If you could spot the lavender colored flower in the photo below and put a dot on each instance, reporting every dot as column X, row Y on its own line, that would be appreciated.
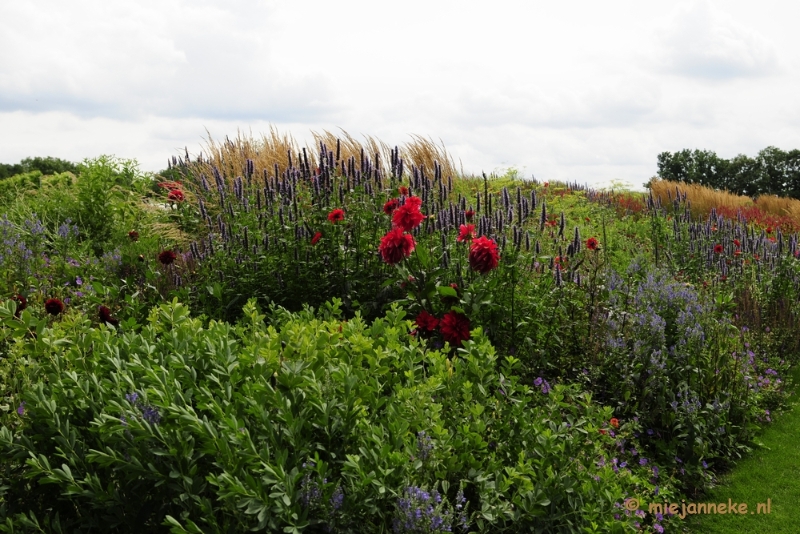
column 151, row 415
column 337, row 499
column 424, row 445
column 132, row 397
column 21, row 408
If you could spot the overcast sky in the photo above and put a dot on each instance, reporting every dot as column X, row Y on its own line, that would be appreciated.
column 582, row 91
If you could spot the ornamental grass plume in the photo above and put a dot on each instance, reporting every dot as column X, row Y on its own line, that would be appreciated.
column 454, row 327
column 408, row 215
column 395, row 246
column 166, row 257
column 483, row 255
column 54, row 306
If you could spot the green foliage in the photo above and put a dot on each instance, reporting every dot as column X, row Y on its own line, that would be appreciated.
column 99, row 192
column 183, row 428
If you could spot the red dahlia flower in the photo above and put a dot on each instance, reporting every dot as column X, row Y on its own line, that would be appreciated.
column 718, row 249
column 54, row 306
column 483, row 255
column 469, row 214
column 391, row 205
column 176, row 195
column 769, row 229
column 454, row 327
column 105, row 316
column 167, row 257
column 22, row 303
column 408, row 215
column 737, row 242
column 336, row 215
column 426, row 321
column 403, row 190
column 133, row 235
column 466, row 231
column 395, row 246
column 316, row 238
column 591, row 243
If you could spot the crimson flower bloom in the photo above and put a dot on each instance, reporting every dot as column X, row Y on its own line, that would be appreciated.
column 54, row 306
column 336, row 215
column 469, row 214
column 466, row 231
column 408, row 215
column 395, row 246
column 391, row 205
column 176, row 195
column 22, row 303
column 403, row 190
column 133, row 235
column 167, row 257
column 105, row 316
column 316, row 238
column 454, row 327
column 769, row 229
column 718, row 249
column 737, row 242
column 591, row 243
column 483, row 255
column 426, row 321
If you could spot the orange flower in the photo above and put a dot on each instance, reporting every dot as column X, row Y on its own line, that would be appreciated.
column 614, row 422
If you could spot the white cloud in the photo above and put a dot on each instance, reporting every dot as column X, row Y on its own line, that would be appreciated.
column 703, row 42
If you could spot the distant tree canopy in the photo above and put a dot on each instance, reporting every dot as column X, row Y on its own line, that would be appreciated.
column 46, row 166
column 771, row 172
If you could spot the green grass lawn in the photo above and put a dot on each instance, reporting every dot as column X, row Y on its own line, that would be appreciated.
column 772, row 472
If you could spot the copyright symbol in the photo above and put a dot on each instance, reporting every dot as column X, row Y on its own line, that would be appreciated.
column 632, row 504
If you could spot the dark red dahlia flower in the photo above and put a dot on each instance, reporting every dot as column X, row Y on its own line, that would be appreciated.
column 391, row 205
column 105, row 316
column 133, row 235
column 408, row 215
column 395, row 246
column 403, row 190
column 454, row 327
column 22, row 303
column 483, row 255
column 167, row 257
column 426, row 321
column 718, row 249
column 176, row 195
column 336, row 215
column 469, row 214
column 591, row 243
column 466, row 231
column 54, row 306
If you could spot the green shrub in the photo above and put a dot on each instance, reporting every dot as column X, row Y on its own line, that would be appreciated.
column 304, row 425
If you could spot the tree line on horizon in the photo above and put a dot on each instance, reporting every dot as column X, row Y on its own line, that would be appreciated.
column 47, row 166
column 772, row 172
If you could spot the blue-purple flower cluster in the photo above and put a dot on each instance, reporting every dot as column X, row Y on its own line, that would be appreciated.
column 421, row 511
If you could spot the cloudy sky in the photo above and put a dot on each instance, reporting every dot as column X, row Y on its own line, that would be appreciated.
column 582, row 91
